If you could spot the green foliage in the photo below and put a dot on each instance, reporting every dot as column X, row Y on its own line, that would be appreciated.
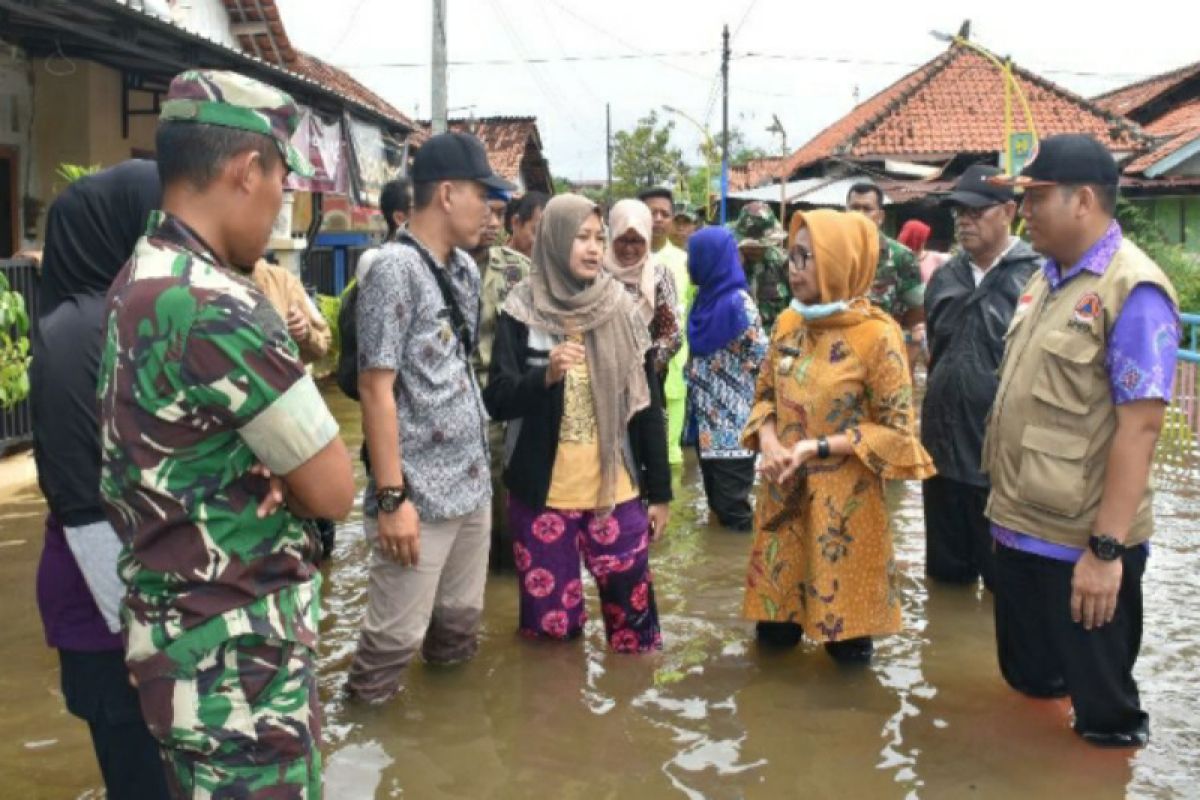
column 70, row 173
column 14, row 346
column 1181, row 267
column 645, row 156
column 740, row 150
column 330, row 308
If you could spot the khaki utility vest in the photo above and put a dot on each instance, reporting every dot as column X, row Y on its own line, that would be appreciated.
column 1052, row 425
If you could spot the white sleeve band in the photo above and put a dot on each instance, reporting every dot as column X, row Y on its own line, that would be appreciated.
column 291, row 430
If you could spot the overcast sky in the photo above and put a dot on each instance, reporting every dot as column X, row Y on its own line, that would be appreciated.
column 641, row 54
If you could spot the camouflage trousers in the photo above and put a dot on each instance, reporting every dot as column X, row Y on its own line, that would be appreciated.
column 244, row 725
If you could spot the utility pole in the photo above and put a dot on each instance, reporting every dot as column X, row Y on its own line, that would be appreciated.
column 777, row 127
column 608, row 154
column 439, row 66
column 724, row 124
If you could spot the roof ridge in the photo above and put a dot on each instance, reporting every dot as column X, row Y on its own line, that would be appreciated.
column 790, row 161
column 932, row 68
column 1088, row 105
column 1171, row 73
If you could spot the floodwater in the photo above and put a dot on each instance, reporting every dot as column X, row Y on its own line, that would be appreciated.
column 710, row 716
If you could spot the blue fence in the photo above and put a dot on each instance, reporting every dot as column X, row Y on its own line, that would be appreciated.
column 331, row 262
column 1189, row 351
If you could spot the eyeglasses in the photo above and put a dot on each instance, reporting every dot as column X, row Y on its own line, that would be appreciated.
column 963, row 212
column 799, row 258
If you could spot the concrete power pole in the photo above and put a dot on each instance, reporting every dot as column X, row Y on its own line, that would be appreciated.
column 439, row 66
column 724, row 124
column 608, row 155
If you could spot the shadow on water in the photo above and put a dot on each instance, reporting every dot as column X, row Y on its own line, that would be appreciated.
column 711, row 716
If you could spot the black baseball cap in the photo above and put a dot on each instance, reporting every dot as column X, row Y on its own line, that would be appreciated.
column 973, row 190
column 1068, row 159
column 656, row 191
column 456, row 157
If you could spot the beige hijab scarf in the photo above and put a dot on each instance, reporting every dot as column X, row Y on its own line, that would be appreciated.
column 553, row 300
column 635, row 214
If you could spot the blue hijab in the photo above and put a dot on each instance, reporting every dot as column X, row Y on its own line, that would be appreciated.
column 718, row 315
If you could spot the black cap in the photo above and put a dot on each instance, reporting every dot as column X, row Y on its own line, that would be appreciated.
column 656, row 191
column 974, row 191
column 456, row 157
column 1069, row 159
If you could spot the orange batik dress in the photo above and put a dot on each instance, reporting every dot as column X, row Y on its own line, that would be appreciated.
column 823, row 555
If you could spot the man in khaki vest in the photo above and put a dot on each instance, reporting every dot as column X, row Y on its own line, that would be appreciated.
column 1087, row 374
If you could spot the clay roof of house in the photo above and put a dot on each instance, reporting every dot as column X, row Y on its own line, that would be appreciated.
column 273, row 46
column 506, row 140
column 953, row 104
column 341, row 82
column 754, row 173
column 1179, row 127
column 1128, row 100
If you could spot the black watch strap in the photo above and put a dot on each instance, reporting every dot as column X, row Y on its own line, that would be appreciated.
column 391, row 498
column 1105, row 547
column 823, row 447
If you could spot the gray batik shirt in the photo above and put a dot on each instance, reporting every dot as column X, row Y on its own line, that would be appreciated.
column 404, row 326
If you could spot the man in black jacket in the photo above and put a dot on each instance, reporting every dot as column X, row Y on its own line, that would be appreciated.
column 968, row 305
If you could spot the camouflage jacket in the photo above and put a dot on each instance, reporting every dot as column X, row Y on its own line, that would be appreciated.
column 897, row 288
column 769, row 287
column 504, row 270
column 199, row 381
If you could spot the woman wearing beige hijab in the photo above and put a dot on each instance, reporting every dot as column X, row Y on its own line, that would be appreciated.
column 586, row 462
column 648, row 281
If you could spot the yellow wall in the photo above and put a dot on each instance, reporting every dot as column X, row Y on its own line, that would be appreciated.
column 77, row 120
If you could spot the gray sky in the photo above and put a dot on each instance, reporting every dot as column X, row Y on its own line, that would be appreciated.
column 820, row 55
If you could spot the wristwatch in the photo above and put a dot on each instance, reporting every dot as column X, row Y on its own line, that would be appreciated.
column 823, row 447
column 390, row 498
column 1105, row 547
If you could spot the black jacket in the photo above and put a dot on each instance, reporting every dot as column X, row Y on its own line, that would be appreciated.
column 517, row 390
column 965, row 326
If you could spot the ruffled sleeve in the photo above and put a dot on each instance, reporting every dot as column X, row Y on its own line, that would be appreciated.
column 886, row 440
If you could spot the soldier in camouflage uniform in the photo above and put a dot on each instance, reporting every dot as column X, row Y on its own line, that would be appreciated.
column 898, row 289
column 204, row 402
column 500, row 269
column 761, row 241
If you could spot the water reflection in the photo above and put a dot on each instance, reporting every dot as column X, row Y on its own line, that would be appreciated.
column 712, row 716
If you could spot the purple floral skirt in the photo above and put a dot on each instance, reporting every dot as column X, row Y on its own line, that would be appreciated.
column 548, row 546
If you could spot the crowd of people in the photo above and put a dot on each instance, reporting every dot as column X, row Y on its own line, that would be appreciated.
column 530, row 371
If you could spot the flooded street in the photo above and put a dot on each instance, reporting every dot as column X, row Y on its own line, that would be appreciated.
column 709, row 717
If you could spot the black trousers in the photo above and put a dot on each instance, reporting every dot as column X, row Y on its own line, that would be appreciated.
column 1043, row 653
column 958, row 539
column 96, row 688
column 727, row 485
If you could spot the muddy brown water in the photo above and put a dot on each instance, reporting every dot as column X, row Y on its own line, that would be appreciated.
column 710, row 716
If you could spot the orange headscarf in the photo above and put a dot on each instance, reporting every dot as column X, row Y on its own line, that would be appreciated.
column 845, row 256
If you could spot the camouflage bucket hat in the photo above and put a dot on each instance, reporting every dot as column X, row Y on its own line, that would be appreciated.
column 755, row 221
column 231, row 100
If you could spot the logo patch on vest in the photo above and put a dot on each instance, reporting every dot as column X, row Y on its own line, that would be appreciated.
column 1087, row 311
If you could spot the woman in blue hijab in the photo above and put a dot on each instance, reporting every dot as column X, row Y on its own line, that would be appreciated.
column 727, row 346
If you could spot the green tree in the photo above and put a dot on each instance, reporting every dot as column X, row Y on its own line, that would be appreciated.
column 645, row 156
column 740, row 150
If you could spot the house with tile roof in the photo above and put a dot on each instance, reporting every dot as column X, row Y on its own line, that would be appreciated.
column 514, row 148
column 83, row 82
column 1167, row 177
column 916, row 136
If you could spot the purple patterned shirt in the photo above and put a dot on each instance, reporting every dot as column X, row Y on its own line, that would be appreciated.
column 1142, row 350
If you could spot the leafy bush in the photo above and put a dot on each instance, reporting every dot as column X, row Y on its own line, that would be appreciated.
column 1181, row 267
column 14, row 346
